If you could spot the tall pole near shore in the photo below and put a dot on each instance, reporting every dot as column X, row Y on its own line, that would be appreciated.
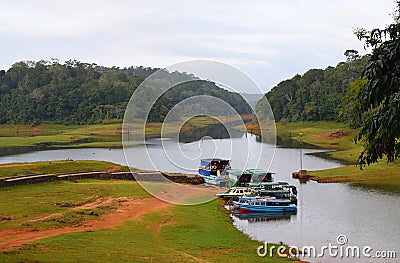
column 301, row 154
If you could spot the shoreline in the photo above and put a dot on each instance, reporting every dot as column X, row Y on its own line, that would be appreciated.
column 117, row 218
column 338, row 139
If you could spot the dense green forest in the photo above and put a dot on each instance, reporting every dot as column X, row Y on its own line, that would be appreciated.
column 78, row 93
column 319, row 94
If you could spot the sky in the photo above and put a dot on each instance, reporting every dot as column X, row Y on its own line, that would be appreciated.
column 269, row 40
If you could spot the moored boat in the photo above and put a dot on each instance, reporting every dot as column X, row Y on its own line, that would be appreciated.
column 264, row 205
column 235, row 192
column 279, row 190
column 214, row 171
column 248, row 177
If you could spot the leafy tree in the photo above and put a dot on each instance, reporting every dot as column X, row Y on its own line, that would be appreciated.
column 350, row 111
column 78, row 93
column 380, row 97
column 316, row 95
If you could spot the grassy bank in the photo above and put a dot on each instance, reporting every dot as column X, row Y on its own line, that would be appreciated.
column 340, row 138
column 326, row 135
column 105, row 135
column 380, row 176
column 202, row 233
column 57, row 167
column 56, row 135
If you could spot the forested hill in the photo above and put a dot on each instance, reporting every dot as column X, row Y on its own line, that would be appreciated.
column 78, row 93
column 319, row 94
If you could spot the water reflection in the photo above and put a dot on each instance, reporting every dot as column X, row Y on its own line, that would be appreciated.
column 216, row 131
column 5, row 151
column 324, row 210
column 262, row 217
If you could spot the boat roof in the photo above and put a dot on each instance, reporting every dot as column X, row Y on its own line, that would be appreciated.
column 249, row 171
column 258, row 171
column 215, row 160
column 263, row 183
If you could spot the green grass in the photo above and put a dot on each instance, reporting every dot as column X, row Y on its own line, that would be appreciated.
column 108, row 134
column 27, row 202
column 326, row 135
column 56, row 135
column 173, row 234
column 57, row 167
column 381, row 176
column 339, row 137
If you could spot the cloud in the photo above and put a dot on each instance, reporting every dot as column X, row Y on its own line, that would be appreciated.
column 270, row 39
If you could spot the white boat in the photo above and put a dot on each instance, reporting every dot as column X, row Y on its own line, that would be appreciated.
column 235, row 192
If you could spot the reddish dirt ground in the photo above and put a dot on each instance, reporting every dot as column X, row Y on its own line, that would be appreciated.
column 333, row 135
column 14, row 165
column 128, row 209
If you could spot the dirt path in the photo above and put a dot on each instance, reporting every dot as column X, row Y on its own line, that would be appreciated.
column 129, row 209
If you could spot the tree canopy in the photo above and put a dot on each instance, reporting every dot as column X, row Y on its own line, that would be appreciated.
column 380, row 96
column 78, row 93
column 319, row 94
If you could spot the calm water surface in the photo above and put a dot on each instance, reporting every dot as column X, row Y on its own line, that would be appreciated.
column 325, row 211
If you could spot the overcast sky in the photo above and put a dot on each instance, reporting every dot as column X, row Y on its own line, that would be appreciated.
column 270, row 40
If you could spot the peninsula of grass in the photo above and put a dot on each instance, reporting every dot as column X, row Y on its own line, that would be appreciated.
column 380, row 176
column 58, row 167
column 339, row 138
column 201, row 233
column 334, row 136
column 105, row 135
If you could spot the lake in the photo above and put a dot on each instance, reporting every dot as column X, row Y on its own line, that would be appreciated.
column 325, row 211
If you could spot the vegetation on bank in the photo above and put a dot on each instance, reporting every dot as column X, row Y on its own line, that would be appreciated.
column 166, row 235
column 22, row 205
column 82, row 93
column 318, row 94
column 339, row 137
column 334, row 136
column 107, row 134
column 60, row 136
column 328, row 135
column 58, row 167
column 381, row 176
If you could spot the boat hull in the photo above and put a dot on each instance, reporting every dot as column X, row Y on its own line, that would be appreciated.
column 266, row 209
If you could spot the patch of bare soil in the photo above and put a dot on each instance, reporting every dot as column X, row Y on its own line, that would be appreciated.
column 332, row 135
column 45, row 217
column 182, row 193
column 113, row 169
column 128, row 209
column 99, row 202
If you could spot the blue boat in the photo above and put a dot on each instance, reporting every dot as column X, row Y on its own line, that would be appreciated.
column 264, row 205
column 214, row 171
